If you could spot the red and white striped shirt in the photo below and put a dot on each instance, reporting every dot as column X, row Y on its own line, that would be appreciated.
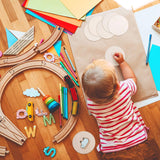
column 120, row 123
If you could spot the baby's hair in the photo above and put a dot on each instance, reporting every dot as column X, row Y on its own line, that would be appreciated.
column 99, row 81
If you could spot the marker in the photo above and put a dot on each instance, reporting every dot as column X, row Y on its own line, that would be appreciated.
column 60, row 119
column 68, row 65
column 149, row 45
column 69, row 73
column 69, row 59
column 60, row 88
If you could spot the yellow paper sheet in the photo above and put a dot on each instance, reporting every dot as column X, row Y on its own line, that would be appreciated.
column 80, row 7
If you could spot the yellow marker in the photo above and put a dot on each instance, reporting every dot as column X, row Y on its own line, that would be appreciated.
column 30, row 110
column 30, row 132
column 60, row 87
column 74, row 108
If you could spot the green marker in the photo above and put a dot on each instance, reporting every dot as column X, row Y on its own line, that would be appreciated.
column 69, row 73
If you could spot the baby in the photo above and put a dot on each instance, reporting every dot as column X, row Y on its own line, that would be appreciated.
column 120, row 123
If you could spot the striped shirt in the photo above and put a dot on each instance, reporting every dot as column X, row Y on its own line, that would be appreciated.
column 120, row 123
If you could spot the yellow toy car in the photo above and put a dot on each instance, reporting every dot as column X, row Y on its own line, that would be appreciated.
column 30, row 110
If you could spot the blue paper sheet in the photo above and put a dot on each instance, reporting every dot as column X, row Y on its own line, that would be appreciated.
column 57, row 47
column 11, row 39
column 90, row 12
column 154, row 63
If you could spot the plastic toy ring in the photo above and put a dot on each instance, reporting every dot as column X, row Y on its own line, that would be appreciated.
column 49, row 59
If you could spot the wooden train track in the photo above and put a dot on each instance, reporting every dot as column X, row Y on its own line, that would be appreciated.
column 7, row 128
column 63, row 133
column 3, row 151
column 41, row 48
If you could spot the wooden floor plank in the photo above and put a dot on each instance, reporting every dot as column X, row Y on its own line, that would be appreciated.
column 12, row 16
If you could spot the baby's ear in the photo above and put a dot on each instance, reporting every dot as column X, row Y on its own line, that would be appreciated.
column 118, row 85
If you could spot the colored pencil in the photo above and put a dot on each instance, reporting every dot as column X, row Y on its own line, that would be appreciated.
column 68, row 65
column 69, row 59
column 62, row 60
column 61, row 63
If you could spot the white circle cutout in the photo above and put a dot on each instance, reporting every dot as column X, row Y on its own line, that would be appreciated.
column 118, row 25
column 111, row 51
column 93, row 24
column 106, row 20
column 89, row 35
column 102, row 32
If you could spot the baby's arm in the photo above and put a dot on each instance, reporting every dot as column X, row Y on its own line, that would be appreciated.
column 127, row 72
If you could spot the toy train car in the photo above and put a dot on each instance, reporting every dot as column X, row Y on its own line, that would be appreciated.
column 30, row 110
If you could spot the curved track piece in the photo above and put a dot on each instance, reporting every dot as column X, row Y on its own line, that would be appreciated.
column 7, row 128
column 69, row 125
column 9, row 61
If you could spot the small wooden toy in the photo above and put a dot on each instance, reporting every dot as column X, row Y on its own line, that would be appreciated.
column 41, row 113
column 3, row 151
column 30, row 110
column 49, row 102
column 47, row 153
column 51, row 118
column 30, row 132
column 21, row 116
column 156, row 25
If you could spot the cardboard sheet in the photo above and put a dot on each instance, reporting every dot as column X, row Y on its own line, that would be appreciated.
column 84, row 51
column 80, row 7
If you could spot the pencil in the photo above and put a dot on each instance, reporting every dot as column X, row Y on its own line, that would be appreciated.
column 62, row 60
column 69, row 73
column 68, row 65
column 149, row 45
column 69, row 59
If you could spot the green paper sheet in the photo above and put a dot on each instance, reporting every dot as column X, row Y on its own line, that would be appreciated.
column 50, row 6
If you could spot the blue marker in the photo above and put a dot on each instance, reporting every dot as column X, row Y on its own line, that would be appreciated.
column 149, row 45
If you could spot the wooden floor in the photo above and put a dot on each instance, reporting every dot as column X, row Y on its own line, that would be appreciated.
column 12, row 16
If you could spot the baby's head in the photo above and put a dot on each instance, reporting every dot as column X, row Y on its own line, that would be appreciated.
column 100, row 82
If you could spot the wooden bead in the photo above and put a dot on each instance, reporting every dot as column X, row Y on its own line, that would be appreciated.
column 53, row 106
column 45, row 97
column 49, row 101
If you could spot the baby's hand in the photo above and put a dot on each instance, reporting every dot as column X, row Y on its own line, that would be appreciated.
column 118, row 57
